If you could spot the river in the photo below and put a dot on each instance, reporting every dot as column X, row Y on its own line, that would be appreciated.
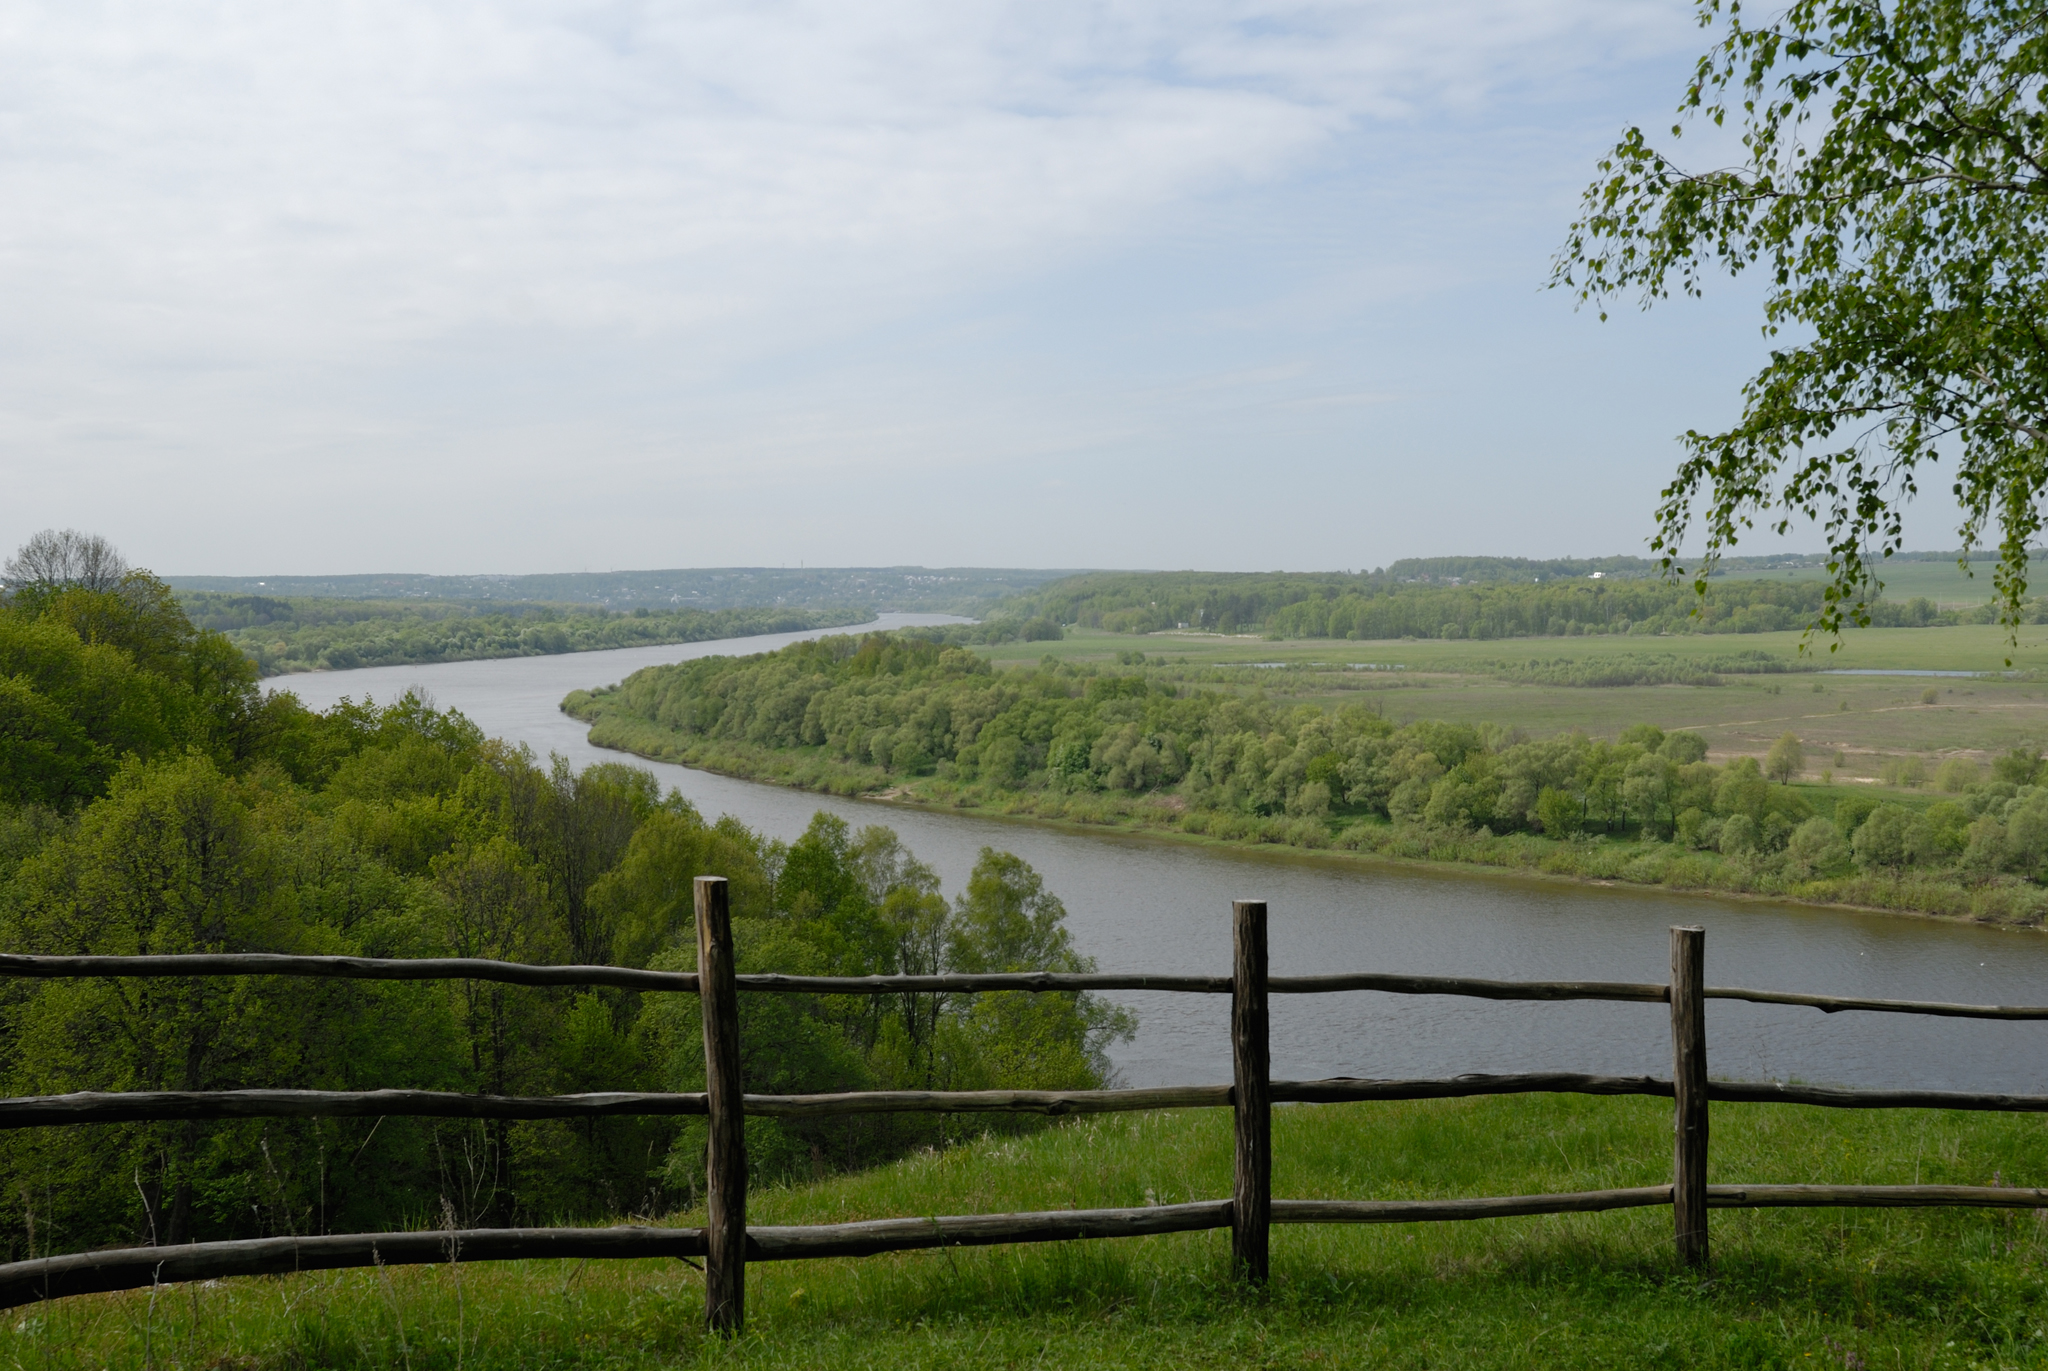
column 1144, row 904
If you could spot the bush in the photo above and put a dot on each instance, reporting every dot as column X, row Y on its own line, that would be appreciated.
column 2017, row 767
column 1884, row 841
column 1738, row 835
column 1956, row 775
column 1558, row 814
column 1816, row 849
column 1684, row 748
column 1851, row 811
column 1907, row 772
column 1786, row 760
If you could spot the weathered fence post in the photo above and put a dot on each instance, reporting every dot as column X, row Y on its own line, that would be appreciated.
column 725, row 1154
column 1689, row 1093
column 1251, row 1192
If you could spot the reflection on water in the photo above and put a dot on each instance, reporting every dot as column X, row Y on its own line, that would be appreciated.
column 1155, row 905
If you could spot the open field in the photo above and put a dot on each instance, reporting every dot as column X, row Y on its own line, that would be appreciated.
column 1911, row 739
column 1819, row 1288
column 1967, row 647
column 1942, row 581
column 1865, row 718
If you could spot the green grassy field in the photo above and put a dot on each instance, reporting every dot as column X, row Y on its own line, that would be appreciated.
column 1943, row 582
column 1867, row 719
column 1840, row 1288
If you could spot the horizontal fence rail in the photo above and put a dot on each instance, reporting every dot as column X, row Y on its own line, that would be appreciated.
column 159, row 1106
column 139, row 1268
column 685, row 982
column 345, row 968
column 726, row 1242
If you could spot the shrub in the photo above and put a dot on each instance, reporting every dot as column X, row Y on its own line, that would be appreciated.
column 1558, row 814
column 2017, row 767
column 1884, row 841
column 1907, row 772
column 1786, row 760
column 1956, row 775
column 1816, row 849
column 1851, row 811
column 2026, row 833
column 1738, row 835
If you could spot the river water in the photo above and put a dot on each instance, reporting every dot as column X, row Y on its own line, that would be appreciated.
column 1139, row 904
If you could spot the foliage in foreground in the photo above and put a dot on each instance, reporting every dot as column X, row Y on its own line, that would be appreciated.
column 1865, row 1289
column 151, row 801
column 1135, row 747
column 1888, row 186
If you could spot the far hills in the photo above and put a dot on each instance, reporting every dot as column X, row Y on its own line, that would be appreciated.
column 961, row 590
column 311, row 623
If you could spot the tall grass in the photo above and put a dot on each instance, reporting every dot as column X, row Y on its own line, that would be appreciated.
column 1788, row 1288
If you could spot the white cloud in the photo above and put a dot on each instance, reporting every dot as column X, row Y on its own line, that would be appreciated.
column 188, row 177
column 241, row 235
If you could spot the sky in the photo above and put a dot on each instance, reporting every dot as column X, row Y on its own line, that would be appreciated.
column 541, row 285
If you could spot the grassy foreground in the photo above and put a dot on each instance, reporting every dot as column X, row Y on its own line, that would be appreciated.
column 1838, row 1288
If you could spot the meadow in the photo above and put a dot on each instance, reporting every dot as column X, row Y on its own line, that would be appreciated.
column 1939, row 579
column 1867, row 719
column 1841, row 1288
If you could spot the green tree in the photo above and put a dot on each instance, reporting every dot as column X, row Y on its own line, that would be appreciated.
column 1006, row 920
column 1885, row 840
column 1558, row 814
column 174, row 860
column 1851, row 811
column 1889, row 188
column 1816, row 849
column 2017, row 767
column 1786, row 759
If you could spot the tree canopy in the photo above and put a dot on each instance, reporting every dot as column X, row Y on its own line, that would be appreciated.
column 1889, row 184
column 153, row 799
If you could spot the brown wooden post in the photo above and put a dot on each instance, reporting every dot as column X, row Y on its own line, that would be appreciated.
column 1689, row 1092
column 725, row 1155
column 1251, row 1193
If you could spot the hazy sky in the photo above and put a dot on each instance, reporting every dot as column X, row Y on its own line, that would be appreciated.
column 530, row 286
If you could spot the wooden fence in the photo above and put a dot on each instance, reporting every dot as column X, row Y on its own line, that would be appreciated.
column 726, row 1242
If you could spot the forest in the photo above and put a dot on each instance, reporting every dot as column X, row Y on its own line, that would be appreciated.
column 1123, row 745
column 298, row 633
column 953, row 590
column 1436, row 605
column 154, row 800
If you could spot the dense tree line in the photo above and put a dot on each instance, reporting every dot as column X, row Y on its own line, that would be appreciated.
column 153, row 800
column 304, row 634
column 906, row 707
column 1379, row 605
column 883, row 709
column 947, row 590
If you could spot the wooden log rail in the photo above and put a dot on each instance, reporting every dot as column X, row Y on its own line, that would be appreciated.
column 685, row 982
column 94, row 1107
column 139, row 1268
column 727, row 1242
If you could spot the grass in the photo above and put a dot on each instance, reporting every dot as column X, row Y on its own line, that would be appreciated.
column 1966, row 647
column 1868, row 718
column 1839, row 1288
column 1856, row 731
column 1940, row 581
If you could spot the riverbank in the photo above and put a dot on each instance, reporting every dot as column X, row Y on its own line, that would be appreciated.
column 2002, row 900
column 1923, row 1288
